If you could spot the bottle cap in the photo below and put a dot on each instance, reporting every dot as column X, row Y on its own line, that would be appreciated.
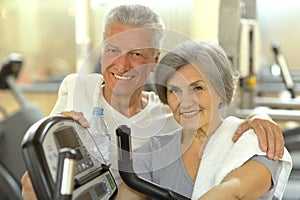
column 98, row 111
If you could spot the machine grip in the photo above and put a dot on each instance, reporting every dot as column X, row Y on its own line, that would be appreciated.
column 65, row 174
column 128, row 175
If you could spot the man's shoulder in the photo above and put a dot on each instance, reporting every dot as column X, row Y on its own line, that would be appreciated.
column 82, row 79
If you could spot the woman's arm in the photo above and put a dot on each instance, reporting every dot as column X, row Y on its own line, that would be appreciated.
column 126, row 193
column 250, row 181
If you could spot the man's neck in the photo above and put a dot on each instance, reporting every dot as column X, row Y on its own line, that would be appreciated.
column 129, row 104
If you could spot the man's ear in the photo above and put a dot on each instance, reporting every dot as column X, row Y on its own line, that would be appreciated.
column 157, row 57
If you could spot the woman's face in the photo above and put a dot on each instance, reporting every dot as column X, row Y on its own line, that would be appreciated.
column 192, row 99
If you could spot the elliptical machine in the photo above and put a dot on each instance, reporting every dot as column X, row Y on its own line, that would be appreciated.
column 12, row 129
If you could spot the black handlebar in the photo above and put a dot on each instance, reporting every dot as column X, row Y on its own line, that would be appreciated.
column 128, row 175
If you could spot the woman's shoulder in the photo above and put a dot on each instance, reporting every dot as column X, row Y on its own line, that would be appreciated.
column 163, row 141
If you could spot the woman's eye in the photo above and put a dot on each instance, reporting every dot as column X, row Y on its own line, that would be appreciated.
column 173, row 90
column 197, row 88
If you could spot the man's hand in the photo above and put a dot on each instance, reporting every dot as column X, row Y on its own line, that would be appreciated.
column 27, row 188
column 268, row 132
column 78, row 116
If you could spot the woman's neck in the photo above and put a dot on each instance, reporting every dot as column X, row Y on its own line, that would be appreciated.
column 197, row 139
column 193, row 144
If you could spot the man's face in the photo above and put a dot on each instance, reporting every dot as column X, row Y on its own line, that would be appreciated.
column 128, row 57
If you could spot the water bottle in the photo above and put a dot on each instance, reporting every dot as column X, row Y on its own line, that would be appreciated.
column 100, row 132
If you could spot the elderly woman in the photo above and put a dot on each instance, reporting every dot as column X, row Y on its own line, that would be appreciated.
column 200, row 160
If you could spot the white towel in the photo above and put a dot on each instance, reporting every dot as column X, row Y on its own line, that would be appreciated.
column 221, row 156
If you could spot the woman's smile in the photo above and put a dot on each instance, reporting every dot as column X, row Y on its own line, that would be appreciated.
column 190, row 114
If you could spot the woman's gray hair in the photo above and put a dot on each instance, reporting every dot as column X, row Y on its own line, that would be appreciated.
column 206, row 56
column 138, row 16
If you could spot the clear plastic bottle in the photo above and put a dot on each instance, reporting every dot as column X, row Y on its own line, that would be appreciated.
column 100, row 132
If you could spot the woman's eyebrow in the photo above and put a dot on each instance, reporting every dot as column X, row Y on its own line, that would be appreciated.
column 197, row 82
column 192, row 84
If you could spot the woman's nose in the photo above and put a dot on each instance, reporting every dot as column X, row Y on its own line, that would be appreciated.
column 187, row 99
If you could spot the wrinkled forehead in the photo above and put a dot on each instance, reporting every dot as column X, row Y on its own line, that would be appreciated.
column 135, row 38
column 189, row 73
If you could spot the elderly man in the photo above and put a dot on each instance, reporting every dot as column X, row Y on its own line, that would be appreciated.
column 133, row 36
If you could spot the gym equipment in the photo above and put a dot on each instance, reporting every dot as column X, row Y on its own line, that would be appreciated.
column 64, row 162
column 286, row 78
column 240, row 42
column 12, row 129
column 128, row 175
column 283, row 110
column 285, row 72
column 292, row 143
column 237, row 21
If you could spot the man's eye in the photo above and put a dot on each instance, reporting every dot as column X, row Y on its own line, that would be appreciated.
column 112, row 50
column 136, row 54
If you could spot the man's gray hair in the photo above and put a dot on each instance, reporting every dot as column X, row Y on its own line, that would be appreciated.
column 138, row 16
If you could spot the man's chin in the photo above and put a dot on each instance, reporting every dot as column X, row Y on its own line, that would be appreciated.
column 123, row 91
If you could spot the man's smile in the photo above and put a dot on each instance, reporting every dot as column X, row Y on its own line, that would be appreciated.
column 122, row 77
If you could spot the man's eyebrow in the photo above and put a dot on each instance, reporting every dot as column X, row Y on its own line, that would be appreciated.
column 108, row 44
column 138, row 49
column 111, row 45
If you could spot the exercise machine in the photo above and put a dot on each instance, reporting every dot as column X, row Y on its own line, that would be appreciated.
column 238, row 36
column 12, row 129
column 284, row 78
column 64, row 162
column 128, row 175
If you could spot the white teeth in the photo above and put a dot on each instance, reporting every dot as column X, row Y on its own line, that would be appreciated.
column 123, row 77
column 190, row 113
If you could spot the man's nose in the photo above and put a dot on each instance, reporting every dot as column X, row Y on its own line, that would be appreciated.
column 123, row 63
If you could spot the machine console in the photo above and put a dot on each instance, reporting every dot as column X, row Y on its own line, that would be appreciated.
column 40, row 148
